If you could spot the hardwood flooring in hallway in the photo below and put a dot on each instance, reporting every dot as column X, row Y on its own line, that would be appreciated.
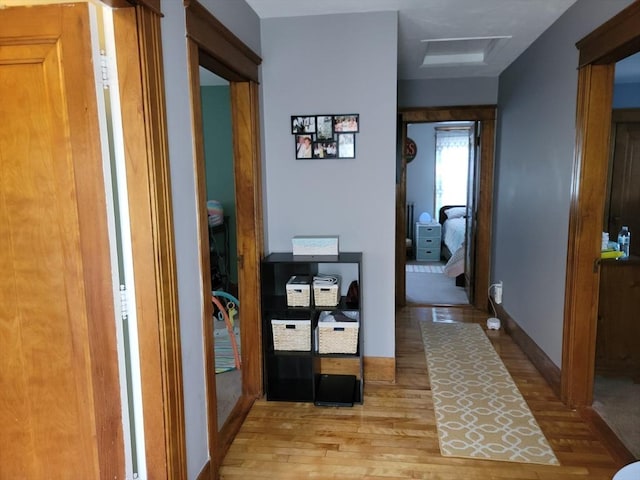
column 393, row 434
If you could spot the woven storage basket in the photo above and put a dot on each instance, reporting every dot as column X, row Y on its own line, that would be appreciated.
column 298, row 294
column 291, row 335
column 339, row 337
column 326, row 295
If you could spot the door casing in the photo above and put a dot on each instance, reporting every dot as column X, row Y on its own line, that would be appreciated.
column 211, row 45
column 599, row 51
column 485, row 115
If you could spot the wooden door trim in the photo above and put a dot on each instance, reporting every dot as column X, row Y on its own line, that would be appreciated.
column 609, row 43
column 613, row 40
column 486, row 116
column 220, row 44
column 141, row 82
column 213, row 46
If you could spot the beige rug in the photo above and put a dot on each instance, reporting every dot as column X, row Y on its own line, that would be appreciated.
column 480, row 413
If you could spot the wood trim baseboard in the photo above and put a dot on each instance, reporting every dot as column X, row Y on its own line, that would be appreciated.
column 549, row 371
column 379, row 370
column 621, row 455
column 205, row 473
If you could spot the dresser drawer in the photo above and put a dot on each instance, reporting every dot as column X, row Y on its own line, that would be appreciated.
column 428, row 254
column 428, row 231
column 428, row 243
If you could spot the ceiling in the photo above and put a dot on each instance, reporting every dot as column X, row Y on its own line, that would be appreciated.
column 465, row 38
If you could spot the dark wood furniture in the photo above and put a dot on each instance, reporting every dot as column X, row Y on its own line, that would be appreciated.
column 308, row 376
column 618, row 337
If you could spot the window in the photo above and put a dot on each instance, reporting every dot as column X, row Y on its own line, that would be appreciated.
column 452, row 165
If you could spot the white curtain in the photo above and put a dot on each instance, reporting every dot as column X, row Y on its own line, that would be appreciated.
column 452, row 165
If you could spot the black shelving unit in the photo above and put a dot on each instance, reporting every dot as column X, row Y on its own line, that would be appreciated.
column 308, row 376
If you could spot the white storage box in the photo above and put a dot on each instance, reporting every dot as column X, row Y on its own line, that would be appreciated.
column 338, row 336
column 326, row 290
column 291, row 335
column 315, row 245
column 298, row 291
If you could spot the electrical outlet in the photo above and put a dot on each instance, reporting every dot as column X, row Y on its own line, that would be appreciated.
column 497, row 292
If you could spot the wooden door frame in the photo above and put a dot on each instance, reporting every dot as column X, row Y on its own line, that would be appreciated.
column 143, row 110
column 213, row 46
column 485, row 115
column 599, row 51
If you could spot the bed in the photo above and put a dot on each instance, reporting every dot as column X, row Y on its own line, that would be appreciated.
column 453, row 229
column 453, row 221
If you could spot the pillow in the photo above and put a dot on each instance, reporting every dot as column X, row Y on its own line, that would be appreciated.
column 456, row 212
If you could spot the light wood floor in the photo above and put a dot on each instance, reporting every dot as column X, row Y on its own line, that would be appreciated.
column 393, row 434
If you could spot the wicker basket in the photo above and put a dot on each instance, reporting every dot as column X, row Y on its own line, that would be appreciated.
column 339, row 337
column 291, row 335
column 298, row 292
column 326, row 290
column 326, row 296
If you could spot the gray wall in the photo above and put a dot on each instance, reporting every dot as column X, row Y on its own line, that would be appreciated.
column 244, row 23
column 335, row 64
column 444, row 92
column 421, row 171
column 536, row 135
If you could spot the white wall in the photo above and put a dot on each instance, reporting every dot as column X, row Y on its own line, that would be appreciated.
column 245, row 24
column 421, row 171
column 335, row 64
column 536, row 136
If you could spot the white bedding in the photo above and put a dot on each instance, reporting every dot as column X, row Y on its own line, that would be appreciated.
column 453, row 233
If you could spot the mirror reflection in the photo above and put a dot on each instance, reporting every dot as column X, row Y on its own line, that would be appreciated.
column 221, row 212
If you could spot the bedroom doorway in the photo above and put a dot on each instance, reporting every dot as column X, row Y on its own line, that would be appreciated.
column 481, row 213
column 438, row 178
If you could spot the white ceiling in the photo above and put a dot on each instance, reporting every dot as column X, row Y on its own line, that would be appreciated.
column 418, row 20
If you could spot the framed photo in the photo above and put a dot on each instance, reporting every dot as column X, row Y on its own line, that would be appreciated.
column 346, row 145
column 346, row 123
column 325, row 149
column 303, row 124
column 304, row 146
column 324, row 127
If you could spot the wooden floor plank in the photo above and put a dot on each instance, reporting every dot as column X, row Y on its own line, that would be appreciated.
column 393, row 435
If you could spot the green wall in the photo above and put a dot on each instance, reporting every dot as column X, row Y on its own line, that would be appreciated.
column 218, row 148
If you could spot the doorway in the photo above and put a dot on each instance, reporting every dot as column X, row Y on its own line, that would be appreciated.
column 599, row 51
column 212, row 47
column 482, row 214
column 437, row 192
column 617, row 359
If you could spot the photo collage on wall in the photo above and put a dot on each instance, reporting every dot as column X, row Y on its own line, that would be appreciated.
column 322, row 137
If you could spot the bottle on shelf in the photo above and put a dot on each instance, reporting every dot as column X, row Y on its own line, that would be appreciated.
column 624, row 239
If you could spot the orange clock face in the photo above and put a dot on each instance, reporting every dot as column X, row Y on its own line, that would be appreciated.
column 410, row 150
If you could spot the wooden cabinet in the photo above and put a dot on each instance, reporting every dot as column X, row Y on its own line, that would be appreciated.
column 618, row 337
column 305, row 374
column 428, row 242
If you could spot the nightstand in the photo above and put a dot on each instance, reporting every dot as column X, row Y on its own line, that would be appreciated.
column 427, row 246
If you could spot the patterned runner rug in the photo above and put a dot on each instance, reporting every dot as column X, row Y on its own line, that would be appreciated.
column 480, row 413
